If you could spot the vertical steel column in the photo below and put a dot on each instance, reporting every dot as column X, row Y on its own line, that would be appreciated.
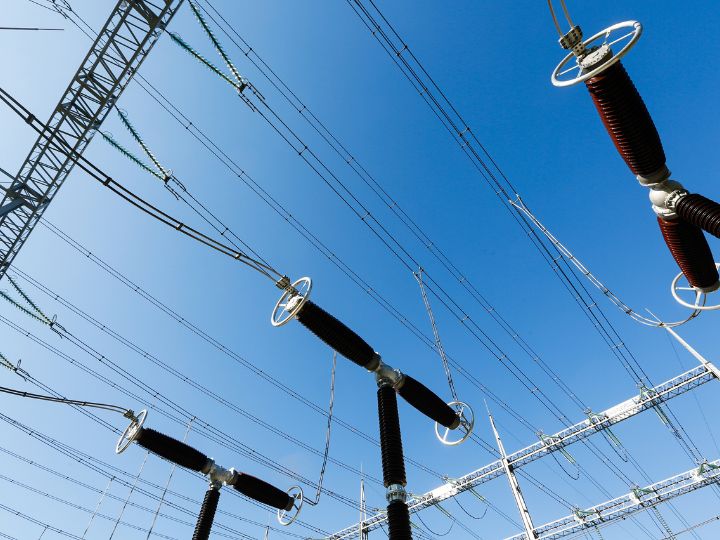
column 363, row 533
column 393, row 462
column 514, row 486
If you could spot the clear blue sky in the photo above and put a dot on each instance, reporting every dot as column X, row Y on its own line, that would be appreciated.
column 493, row 60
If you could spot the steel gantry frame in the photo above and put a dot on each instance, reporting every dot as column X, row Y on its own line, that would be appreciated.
column 596, row 422
column 637, row 500
column 118, row 51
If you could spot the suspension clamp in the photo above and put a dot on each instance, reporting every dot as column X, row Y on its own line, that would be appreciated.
column 284, row 283
column 573, row 41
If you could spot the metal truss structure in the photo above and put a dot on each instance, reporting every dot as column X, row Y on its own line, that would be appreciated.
column 120, row 48
column 596, row 422
column 635, row 501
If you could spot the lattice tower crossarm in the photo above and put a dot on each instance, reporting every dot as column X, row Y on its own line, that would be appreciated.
column 120, row 48
column 637, row 500
column 597, row 422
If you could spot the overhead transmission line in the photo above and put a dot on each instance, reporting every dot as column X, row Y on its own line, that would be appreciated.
column 156, row 394
column 213, row 148
column 116, row 475
column 218, row 73
column 318, row 166
column 169, row 408
column 489, row 170
column 138, row 289
column 224, row 56
column 433, row 95
column 106, row 517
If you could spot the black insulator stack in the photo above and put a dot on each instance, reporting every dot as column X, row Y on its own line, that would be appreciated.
column 172, row 450
column 427, row 402
column 263, row 492
column 627, row 120
column 393, row 463
column 207, row 514
column 701, row 212
column 399, row 521
column 337, row 335
column 690, row 249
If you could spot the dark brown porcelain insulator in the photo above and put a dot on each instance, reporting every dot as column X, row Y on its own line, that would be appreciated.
column 207, row 514
column 700, row 211
column 689, row 247
column 399, row 527
column 393, row 463
column 627, row 120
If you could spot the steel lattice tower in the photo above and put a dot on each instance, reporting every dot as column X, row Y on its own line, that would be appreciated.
column 118, row 51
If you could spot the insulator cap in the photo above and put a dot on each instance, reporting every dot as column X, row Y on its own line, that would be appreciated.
column 263, row 492
column 690, row 249
column 393, row 463
column 427, row 402
column 207, row 514
column 627, row 120
column 173, row 450
column 337, row 335
column 399, row 521
column 700, row 211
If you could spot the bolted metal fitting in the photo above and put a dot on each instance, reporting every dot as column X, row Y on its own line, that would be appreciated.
column 573, row 40
column 395, row 492
column 283, row 283
column 595, row 57
column 220, row 475
column 664, row 195
column 386, row 375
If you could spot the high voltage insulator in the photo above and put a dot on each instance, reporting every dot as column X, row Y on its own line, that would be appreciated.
column 294, row 304
column 184, row 455
column 681, row 217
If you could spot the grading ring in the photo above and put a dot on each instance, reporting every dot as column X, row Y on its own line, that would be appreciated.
column 633, row 35
column 467, row 423
column 298, row 500
column 131, row 432
column 291, row 301
column 699, row 295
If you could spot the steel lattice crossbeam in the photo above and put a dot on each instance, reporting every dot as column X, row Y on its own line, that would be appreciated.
column 637, row 500
column 121, row 46
column 599, row 421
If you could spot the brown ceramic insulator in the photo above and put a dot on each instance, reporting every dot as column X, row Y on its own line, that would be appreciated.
column 627, row 120
column 689, row 247
column 700, row 211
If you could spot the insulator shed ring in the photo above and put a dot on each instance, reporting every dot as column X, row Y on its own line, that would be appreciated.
column 291, row 301
column 467, row 424
column 700, row 297
column 286, row 517
column 130, row 433
column 561, row 69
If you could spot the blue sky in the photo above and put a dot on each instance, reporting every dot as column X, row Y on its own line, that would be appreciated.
column 494, row 62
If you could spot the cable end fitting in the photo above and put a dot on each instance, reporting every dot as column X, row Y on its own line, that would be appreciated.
column 284, row 283
column 573, row 41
